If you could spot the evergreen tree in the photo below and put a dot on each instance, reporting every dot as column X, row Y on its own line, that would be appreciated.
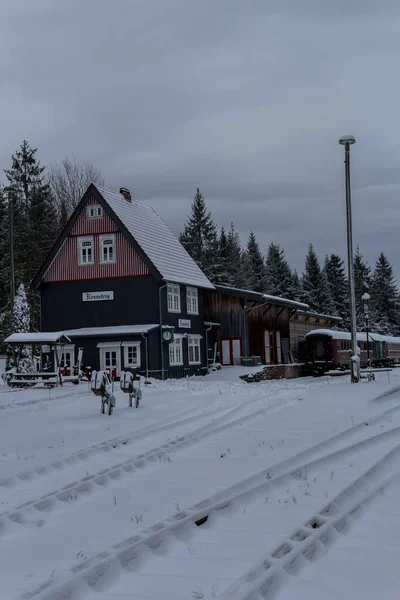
column 200, row 238
column 35, row 218
column 278, row 276
column 338, row 288
column 20, row 313
column 20, row 323
column 362, row 284
column 315, row 287
column 223, row 258
column 235, row 263
column 254, row 266
column 296, row 286
column 384, row 298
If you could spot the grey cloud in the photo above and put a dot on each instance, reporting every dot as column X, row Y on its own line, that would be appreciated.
column 246, row 100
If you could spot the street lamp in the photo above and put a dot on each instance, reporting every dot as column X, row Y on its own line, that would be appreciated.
column 347, row 141
column 10, row 191
column 365, row 298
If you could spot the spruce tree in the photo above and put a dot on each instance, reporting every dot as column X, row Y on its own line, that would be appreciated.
column 254, row 266
column 35, row 218
column 384, row 298
column 223, row 275
column 315, row 288
column 20, row 313
column 362, row 284
column 296, row 293
column 338, row 288
column 235, row 266
column 278, row 276
column 200, row 238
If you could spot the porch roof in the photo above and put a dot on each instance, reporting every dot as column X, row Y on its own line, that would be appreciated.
column 113, row 330
column 38, row 337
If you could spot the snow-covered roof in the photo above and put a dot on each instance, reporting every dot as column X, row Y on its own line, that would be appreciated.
column 156, row 240
column 40, row 337
column 261, row 297
column 361, row 336
column 312, row 313
column 117, row 330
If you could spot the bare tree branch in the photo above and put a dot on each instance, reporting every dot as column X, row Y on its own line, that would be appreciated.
column 69, row 180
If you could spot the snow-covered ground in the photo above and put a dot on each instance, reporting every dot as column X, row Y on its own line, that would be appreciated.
column 212, row 488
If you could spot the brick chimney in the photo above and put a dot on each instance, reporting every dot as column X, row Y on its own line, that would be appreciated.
column 126, row 194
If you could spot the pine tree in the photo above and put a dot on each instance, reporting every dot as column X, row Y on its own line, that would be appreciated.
column 35, row 218
column 278, row 276
column 384, row 298
column 20, row 313
column 362, row 284
column 200, row 238
column 20, row 322
column 254, row 266
column 315, row 288
column 338, row 288
column 296, row 286
column 235, row 263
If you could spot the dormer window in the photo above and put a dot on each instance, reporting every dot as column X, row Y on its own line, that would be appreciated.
column 85, row 251
column 94, row 211
column 107, row 248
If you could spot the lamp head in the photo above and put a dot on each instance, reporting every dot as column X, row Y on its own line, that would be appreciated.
column 347, row 139
column 365, row 297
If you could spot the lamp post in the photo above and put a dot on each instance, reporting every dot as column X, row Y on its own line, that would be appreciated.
column 365, row 298
column 347, row 141
column 10, row 191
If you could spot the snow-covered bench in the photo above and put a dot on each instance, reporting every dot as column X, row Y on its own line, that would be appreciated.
column 100, row 385
column 126, row 383
column 28, row 379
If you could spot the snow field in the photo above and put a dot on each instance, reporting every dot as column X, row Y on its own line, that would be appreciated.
column 252, row 463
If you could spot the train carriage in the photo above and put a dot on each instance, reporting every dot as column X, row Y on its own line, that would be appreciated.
column 327, row 349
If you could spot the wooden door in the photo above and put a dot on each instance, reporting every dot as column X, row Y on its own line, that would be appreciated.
column 236, row 352
column 231, row 351
column 226, row 352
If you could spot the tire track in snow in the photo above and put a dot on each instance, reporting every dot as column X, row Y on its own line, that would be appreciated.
column 27, row 512
column 107, row 446
column 312, row 540
column 99, row 572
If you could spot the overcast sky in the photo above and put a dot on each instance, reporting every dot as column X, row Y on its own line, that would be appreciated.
column 245, row 99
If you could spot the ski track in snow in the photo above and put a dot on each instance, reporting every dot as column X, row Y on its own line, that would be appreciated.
column 308, row 541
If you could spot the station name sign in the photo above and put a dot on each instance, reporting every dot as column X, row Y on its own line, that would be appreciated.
column 97, row 296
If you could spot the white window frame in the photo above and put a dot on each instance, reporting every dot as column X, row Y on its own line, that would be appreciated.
column 195, row 342
column 81, row 240
column 174, row 298
column 192, row 301
column 94, row 211
column 174, row 358
column 126, row 346
column 106, row 238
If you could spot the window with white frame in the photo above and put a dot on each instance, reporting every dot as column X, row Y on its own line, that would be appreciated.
column 174, row 298
column 107, row 248
column 131, row 354
column 194, row 349
column 85, row 251
column 94, row 211
column 192, row 301
column 175, row 352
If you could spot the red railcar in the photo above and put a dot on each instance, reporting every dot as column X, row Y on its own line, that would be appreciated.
column 327, row 349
